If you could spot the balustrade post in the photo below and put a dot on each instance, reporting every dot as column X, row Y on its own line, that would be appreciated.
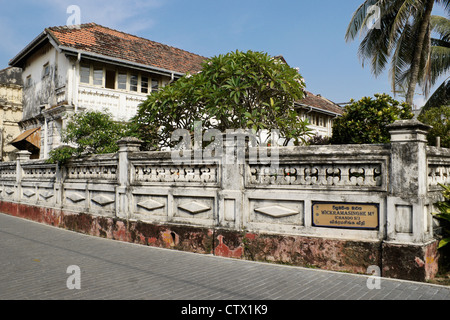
column 233, row 161
column 408, row 207
column 22, row 156
column 124, row 203
column 409, row 252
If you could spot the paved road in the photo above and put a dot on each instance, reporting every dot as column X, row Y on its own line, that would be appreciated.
column 34, row 261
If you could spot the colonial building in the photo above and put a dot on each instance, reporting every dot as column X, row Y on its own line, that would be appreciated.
column 320, row 113
column 72, row 68
column 10, row 111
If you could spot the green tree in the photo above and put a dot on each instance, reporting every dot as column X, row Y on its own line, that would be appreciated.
column 238, row 90
column 89, row 132
column 439, row 119
column 365, row 121
column 403, row 35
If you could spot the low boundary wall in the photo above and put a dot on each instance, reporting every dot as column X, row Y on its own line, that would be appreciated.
column 342, row 208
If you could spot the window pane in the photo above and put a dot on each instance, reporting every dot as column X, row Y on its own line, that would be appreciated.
column 110, row 80
column 134, row 83
column 144, row 85
column 155, row 85
column 98, row 77
column 85, row 73
column 46, row 70
column 122, row 81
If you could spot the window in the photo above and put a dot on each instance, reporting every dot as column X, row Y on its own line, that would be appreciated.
column 98, row 76
column 110, row 80
column 155, row 85
column 144, row 85
column 118, row 79
column 28, row 82
column 85, row 73
column 122, row 81
column 134, row 83
column 46, row 70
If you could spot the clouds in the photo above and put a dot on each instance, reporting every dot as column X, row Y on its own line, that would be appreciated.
column 22, row 20
column 116, row 14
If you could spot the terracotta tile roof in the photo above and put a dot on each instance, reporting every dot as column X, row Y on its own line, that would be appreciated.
column 320, row 102
column 97, row 39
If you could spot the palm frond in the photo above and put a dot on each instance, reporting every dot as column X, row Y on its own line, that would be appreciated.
column 441, row 26
column 439, row 56
column 445, row 4
column 440, row 97
column 358, row 21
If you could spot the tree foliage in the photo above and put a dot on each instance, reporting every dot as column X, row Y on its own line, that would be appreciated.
column 365, row 121
column 439, row 119
column 238, row 90
column 89, row 132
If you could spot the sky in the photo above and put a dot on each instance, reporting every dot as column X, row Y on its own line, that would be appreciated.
column 309, row 34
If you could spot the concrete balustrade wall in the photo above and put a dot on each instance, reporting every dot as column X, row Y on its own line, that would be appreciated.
column 343, row 208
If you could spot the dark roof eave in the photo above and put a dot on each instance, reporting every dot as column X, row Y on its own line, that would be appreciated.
column 15, row 62
column 300, row 105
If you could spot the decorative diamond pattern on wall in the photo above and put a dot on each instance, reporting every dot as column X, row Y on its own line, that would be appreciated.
column 276, row 211
column 150, row 205
column 47, row 195
column 76, row 197
column 194, row 207
column 102, row 200
column 29, row 193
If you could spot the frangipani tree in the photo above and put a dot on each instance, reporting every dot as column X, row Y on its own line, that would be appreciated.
column 238, row 90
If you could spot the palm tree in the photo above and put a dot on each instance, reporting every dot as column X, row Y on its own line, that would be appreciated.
column 403, row 36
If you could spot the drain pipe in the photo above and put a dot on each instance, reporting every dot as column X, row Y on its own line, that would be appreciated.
column 172, row 78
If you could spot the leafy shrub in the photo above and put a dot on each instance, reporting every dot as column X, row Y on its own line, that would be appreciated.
column 90, row 132
column 365, row 121
column 444, row 215
column 439, row 119
column 319, row 140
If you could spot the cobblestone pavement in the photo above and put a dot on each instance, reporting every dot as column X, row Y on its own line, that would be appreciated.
column 34, row 262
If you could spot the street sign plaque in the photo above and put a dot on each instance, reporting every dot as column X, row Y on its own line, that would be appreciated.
column 345, row 215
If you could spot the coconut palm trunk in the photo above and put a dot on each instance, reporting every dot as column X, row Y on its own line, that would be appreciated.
column 419, row 51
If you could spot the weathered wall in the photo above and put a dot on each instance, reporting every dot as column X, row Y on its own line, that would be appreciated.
column 10, row 110
column 42, row 88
